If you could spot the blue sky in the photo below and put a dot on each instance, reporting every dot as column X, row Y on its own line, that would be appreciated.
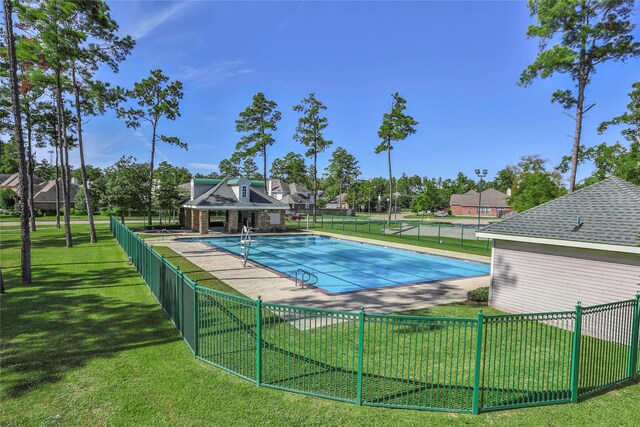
column 456, row 63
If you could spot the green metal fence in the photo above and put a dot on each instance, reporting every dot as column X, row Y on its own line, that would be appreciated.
column 435, row 234
column 488, row 363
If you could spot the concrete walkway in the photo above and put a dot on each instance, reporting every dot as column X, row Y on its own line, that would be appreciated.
column 254, row 280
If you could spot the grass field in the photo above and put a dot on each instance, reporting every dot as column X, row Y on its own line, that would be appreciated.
column 87, row 344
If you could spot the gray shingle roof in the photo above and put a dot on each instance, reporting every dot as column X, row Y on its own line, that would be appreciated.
column 609, row 212
column 222, row 196
column 491, row 198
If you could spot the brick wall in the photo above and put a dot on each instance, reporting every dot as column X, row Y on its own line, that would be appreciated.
column 264, row 221
column 473, row 211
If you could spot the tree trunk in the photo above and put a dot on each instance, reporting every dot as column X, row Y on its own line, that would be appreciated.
column 64, row 147
column 264, row 165
column 153, row 152
column 315, row 186
column 25, row 233
column 57, row 188
column 577, row 135
column 83, row 169
column 390, row 179
column 32, row 209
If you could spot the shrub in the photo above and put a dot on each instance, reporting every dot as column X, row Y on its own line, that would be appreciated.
column 8, row 198
column 479, row 294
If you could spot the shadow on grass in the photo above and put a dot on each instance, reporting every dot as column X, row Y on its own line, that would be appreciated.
column 70, row 316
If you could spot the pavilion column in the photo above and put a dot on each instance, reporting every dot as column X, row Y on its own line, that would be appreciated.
column 232, row 222
column 204, row 221
column 195, row 220
column 187, row 218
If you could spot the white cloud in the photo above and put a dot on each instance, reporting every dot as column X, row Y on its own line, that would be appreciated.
column 215, row 72
column 146, row 26
column 204, row 166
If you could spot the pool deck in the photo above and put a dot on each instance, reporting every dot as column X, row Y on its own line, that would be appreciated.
column 254, row 280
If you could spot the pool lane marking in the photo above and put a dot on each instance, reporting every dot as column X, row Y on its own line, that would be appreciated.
column 346, row 267
column 444, row 275
column 311, row 268
column 437, row 260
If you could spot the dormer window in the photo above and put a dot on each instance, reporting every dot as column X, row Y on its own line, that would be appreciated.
column 244, row 192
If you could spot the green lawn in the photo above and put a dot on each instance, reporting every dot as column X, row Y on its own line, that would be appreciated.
column 87, row 344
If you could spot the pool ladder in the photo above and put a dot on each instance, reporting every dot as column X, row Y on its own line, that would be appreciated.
column 245, row 244
column 305, row 279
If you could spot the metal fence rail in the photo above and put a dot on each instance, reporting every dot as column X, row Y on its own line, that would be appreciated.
column 488, row 363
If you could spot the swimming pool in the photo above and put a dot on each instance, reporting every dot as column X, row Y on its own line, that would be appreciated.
column 345, row 266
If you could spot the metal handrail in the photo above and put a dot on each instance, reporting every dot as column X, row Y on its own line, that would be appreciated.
column 245, row 244
column 306, row 279
column 164, row 230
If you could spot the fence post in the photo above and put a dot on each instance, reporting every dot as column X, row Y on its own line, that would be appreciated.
column 196, row 324
column 575, row 354
column 475, row 403
column 633, row 350
column 259, row 340
column 176, row 306
column 461, row 235
column 332, row 222
column 360, row 357
column 369, row 221
column 438, row 233
column 182, row 302
column 356, row 226
column 419, row 227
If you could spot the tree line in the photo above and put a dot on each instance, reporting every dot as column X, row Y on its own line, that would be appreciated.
column 51, row 51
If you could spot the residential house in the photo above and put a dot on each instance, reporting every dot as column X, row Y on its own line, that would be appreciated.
column 494, row 203
column 580, row 247
column 297, row 196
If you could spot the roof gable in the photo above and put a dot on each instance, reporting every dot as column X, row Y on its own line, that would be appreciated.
column 224, row 197
column 607, row 212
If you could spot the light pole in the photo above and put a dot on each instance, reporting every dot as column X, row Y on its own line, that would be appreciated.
column 480, row 175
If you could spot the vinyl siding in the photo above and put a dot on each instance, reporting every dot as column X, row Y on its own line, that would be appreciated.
column 536, row 278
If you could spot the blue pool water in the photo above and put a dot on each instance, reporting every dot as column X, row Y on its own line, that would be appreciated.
column 344, row 266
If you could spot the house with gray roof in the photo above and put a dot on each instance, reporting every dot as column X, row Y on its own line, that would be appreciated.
column 238, row 200
column 494, row 203
column 44, row 192
column 297, row 196
column 584, row 246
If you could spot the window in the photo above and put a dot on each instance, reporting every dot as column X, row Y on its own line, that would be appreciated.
column 244, row 192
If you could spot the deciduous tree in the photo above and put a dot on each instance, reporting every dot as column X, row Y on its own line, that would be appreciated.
column 343, row 168
column 290, row 168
